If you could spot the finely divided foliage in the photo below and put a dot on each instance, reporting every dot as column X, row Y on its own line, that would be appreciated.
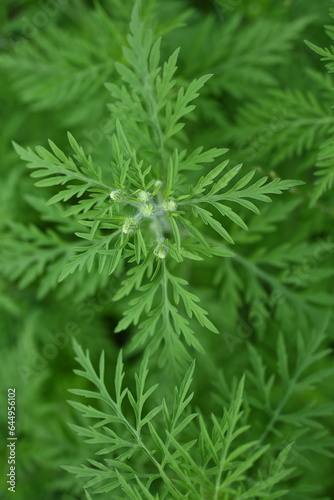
column 204, row 301
column 211, row 465
column 325, row 161
column 142, row 212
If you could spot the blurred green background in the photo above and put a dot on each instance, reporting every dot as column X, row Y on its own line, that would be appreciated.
column 269, row 101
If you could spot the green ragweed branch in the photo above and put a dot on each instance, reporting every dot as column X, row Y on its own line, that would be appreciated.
column 149, row 211
column 212, row 462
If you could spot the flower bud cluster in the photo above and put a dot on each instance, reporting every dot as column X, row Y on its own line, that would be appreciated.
column 147, row 209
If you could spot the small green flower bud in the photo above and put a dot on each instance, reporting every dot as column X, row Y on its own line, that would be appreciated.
column 129, row 225
column 144, row 195
column 169, row 206
column 147, row 210
column 116, row 195
column 161, row 251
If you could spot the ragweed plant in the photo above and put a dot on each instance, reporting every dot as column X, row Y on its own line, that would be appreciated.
column 142, row 213
column 155, row 237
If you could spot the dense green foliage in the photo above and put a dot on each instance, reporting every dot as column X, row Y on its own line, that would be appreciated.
column 167, row 176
